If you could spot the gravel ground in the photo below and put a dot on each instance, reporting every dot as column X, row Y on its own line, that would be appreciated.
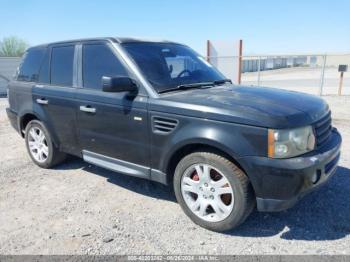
column 77, row 208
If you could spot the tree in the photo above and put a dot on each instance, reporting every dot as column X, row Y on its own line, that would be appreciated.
column 12, row 46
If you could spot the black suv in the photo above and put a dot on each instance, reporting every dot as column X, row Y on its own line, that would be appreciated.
column 160, row 111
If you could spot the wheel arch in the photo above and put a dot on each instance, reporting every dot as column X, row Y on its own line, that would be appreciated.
column 24, row 119
column 28, row 116
column 182, row 150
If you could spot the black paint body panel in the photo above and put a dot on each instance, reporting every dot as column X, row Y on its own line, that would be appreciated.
column 112, row 130
column 232, row 119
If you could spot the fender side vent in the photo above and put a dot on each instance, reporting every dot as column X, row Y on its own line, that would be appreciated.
column 163, row 125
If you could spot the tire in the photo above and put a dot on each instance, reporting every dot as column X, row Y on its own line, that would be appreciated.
column 238, row 202
column 44, row 154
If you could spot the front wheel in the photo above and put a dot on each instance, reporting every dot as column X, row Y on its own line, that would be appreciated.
column 212, row 191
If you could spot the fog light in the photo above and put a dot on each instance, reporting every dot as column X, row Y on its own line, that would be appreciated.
column 316, row 176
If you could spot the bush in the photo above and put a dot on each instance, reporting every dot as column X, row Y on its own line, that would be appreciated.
column 12, row 46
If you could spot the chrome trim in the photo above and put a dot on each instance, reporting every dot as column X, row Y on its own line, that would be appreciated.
column 42, row 101
column 79, row 78
column 75, row 67
column 87, row 109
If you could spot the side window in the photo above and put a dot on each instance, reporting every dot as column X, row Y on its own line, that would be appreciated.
column 29, row 68
column 62, row 65
column 98, row 61
column 44, row 70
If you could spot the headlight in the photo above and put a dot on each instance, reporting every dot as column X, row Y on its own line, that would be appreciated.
column 290, row 142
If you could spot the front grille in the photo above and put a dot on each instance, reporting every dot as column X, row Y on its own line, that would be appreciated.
column 323, row 129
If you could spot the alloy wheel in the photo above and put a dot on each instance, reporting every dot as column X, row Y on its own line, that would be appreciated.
column 207, row 192
column 37, row 144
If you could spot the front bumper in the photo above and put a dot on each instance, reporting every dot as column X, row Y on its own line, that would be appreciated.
column 280, row 183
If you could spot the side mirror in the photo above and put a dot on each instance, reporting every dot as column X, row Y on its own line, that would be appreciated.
column 118, row 84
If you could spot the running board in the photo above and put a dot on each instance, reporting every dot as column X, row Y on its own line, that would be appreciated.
column 125, row 167
column 117, row 165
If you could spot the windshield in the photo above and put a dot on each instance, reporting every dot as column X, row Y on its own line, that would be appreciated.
column 168, row 65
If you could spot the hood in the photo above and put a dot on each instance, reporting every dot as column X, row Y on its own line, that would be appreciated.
column 258, row 106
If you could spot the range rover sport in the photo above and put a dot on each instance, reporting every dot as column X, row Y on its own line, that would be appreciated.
column 160, row 111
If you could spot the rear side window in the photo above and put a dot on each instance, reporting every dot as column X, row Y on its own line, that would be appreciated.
column 30, row 66
column 62, row 65
column 44, row 70
column 98, row 61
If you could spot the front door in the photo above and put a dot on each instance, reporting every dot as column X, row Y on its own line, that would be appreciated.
column 112, row 126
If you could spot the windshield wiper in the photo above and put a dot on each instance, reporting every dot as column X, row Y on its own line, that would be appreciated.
column 196, row 85
column 187, row 86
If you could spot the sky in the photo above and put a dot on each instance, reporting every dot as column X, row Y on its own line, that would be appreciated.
column 265, row 26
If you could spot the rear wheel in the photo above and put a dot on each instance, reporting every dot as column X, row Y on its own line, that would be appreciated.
column 40, row 146
column 212, row 191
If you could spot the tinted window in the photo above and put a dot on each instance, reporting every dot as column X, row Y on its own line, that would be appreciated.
column 98, row 61
column 44, row 70
column 29, row 69
column 62, row 65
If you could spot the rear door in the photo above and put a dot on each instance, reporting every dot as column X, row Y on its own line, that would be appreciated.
column 20, row 89
column 113, row 125
column 54, row 94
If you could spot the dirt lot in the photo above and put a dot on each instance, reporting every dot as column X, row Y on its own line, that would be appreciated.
column 77, row 208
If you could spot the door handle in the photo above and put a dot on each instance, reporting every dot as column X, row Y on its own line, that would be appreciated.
column 42, row 101
column 88, row 109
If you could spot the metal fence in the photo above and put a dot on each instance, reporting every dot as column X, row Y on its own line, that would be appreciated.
column 314, row 74
column 8, row 67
